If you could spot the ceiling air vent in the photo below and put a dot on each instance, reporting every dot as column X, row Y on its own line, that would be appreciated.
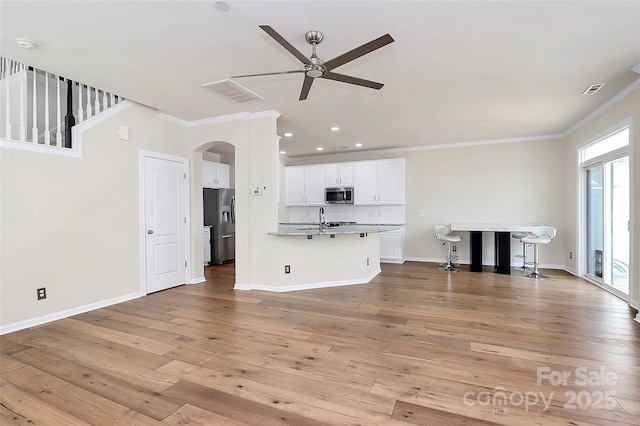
column 593, row 88
column 233, row 91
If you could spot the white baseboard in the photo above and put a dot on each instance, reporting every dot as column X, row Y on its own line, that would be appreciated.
column 396, row 261
column 484, row 262
column 424, row 259
column 32, row 322
column 197, row 280
column 310, row 286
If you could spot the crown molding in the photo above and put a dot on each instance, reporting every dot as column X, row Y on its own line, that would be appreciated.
column 220, row 119
column 431, row 147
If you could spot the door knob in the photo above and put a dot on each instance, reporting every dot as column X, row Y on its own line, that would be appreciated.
column 149, row 232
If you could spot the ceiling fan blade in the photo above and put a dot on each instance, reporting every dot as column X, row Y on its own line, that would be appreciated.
column 306, row 86
column 267, row 73
column 358, row 51
column 353, row 80
column 284, row 43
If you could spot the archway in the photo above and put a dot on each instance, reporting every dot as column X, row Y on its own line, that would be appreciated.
column 216, row 188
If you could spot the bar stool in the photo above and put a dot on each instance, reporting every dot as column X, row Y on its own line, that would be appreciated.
column 542, row 235
column 443, row 233
column 519, row 236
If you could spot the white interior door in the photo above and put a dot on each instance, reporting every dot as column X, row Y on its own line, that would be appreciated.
column 165, row 224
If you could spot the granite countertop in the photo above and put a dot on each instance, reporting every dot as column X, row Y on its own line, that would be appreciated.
column 351, row 228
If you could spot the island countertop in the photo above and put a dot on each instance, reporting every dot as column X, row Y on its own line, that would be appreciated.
column 315, row 229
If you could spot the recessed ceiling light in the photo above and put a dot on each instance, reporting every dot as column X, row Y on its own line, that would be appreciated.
column 358, row 145
column 283, row 152
column 25, row 44
column 288, row 135
column 319, row 148
column 221, row 6
column 335, row 129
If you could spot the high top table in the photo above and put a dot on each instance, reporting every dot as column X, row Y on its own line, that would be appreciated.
column 502, row 238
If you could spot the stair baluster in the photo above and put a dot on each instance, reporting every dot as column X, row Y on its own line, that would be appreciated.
column 20, row 109
column 6, row 75
column 34, row 128
column 58, row 118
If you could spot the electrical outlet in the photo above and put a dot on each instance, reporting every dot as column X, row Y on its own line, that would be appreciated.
column 287, row 269
column 42, row 293
column 570, row 255
column 454, row 248
column 367, row 261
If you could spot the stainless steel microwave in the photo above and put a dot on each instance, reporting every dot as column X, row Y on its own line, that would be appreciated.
column 342, row 195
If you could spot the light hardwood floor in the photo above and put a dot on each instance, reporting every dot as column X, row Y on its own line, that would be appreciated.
column 414, row 346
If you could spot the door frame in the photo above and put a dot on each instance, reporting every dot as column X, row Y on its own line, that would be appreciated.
column 142, row 154
column 581, row 243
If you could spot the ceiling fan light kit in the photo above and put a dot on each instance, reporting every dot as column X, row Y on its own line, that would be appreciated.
column 314, row 67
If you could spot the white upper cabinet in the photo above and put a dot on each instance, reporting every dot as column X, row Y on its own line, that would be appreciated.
column 365, row 191
column 215, row 175
column 390, row 180
column 374, row 182
column 379, row 182
column 315, row 182
column 304, row 185
column 340, row 174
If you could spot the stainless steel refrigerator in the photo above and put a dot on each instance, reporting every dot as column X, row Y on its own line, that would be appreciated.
column 220, row 214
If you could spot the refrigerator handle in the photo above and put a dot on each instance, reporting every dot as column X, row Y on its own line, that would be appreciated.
column 233, row 210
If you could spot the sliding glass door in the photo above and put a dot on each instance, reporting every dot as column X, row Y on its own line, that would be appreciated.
column 619, row 189
column 607, row 193
column 595, row 221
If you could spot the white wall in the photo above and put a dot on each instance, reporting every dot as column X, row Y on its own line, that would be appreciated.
column 70, row 224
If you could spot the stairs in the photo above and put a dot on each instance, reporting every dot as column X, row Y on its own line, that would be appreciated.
column 40, row 109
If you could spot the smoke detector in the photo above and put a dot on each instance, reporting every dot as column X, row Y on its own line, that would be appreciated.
column 25, row 44
column 221, row 6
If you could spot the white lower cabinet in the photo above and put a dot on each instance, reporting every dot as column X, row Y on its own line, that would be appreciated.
column 207, row 244
column 392, row 246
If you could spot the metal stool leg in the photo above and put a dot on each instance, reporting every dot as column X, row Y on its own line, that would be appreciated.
column 534, row 273
column 449, row 266
column 524, row 256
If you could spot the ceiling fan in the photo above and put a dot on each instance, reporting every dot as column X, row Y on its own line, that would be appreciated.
column 314, row 67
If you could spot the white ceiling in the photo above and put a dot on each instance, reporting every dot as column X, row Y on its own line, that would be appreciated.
column 457, row 71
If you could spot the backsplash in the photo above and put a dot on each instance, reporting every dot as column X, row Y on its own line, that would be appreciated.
column 347, row 213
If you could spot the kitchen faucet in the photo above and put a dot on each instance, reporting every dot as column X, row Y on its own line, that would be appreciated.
column 321, row 218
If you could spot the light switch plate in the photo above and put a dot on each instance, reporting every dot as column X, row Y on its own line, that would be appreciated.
column 122, row 133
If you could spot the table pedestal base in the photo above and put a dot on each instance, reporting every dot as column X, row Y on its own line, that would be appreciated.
column 502, row 255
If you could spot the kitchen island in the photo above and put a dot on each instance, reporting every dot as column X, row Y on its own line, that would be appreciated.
column 312, row 229
column 309, row 256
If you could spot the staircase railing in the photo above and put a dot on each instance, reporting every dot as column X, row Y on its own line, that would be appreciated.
column 38, row 107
